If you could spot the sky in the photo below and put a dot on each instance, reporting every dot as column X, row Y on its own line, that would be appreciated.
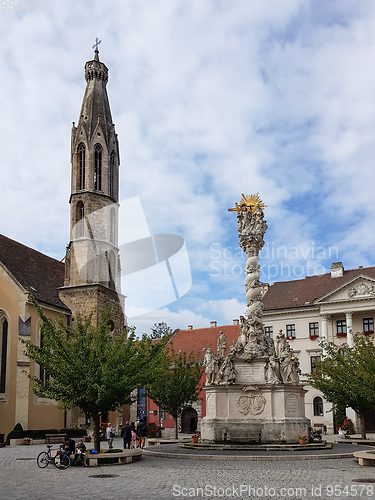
column 211, row 99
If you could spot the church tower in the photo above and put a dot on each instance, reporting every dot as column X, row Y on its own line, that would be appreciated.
column 92, row 265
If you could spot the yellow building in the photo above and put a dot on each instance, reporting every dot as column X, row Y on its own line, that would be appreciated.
column 22, row 267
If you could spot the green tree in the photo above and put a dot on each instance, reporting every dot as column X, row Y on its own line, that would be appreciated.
column 159, row 330
column 86, row 368
column 346, row 375
column 175, row 384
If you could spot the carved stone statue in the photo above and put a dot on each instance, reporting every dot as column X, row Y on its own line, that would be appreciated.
column 221, row 345
column 281, row 344
column 212, row 367
column 273, row 371
column 227, row 372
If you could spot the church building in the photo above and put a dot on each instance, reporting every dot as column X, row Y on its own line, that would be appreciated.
column 86, row 281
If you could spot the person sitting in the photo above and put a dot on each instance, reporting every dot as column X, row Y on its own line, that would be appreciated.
column 342, row 433
column 80, row 452
column 69, row 446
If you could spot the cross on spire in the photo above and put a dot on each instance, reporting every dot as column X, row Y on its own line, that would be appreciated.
column 97, row 42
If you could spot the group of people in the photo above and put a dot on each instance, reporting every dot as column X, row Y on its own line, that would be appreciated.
column 69, row 447
column 134, row 435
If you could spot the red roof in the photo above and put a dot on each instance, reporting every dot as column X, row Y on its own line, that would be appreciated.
column 283, row 294
column 34, row 269
column 203, row 338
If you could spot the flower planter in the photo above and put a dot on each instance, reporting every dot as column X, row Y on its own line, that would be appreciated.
column 27, row 442
column 302, row 441
column 194, row 440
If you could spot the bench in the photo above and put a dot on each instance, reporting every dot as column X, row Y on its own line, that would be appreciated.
column 54, row 438
column 124, row 457
column 365, row 457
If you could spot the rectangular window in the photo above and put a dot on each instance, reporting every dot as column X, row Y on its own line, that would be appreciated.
column 368, row 325
column 313, row 362
column 314, row 330
column 290, row 331
column 341, row 328
column 268, row 330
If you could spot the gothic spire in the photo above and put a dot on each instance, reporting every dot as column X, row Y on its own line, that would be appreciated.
column 95, row 118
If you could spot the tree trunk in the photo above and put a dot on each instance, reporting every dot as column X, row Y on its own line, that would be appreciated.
column 96, row 420
column 363, row 427
column 175, row 429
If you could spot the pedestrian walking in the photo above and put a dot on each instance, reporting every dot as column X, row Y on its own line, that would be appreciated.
column 110, row 434
column 126, row 434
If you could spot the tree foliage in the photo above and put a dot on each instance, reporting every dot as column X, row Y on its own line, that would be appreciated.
column 346, row 376
column 160, row 330
column 86, row 368
column 175, row 384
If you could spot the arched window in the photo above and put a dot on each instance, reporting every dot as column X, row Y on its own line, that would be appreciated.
column 318, row 406
column 111, row 173
column 4, row 352
column 112, row 270
column 43, row 376
column 112, row 226
column 98, row 168
column 81, row 163
column 80, row 217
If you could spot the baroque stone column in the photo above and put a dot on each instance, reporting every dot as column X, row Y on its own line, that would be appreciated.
column 251, row 228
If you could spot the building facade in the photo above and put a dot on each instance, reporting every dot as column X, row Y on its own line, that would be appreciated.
column 329, row 306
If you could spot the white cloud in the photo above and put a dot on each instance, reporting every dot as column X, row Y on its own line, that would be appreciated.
column 210, row 99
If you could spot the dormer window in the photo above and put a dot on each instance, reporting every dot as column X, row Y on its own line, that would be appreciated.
column 81, row 163
column 98, row 168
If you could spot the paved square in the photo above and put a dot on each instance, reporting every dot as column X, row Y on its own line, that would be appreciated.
column 157, row 478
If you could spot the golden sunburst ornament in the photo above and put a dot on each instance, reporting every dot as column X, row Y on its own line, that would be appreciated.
column 250, row 202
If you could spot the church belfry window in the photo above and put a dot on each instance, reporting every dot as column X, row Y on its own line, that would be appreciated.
column 112, row 226
column 111, row 270
column 111, row 173
column 3, row 352
column 81, row 162
column 98, row 168
column 80, row 224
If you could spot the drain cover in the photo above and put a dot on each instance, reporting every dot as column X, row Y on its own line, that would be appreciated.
column 364, row 480
column 105, row 475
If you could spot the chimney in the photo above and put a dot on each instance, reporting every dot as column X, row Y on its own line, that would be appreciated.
column 337, row 270
column 236, row 321
column 190, row 327
column 213, row 324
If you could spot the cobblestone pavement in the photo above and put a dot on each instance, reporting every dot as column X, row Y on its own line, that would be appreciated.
column 161, row 478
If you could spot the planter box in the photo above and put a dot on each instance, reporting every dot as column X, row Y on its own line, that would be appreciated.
column 16, row 442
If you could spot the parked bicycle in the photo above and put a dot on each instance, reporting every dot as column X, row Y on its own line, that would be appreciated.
column 61, row 460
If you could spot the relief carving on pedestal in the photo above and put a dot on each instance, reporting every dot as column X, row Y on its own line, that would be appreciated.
column 252, row 401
